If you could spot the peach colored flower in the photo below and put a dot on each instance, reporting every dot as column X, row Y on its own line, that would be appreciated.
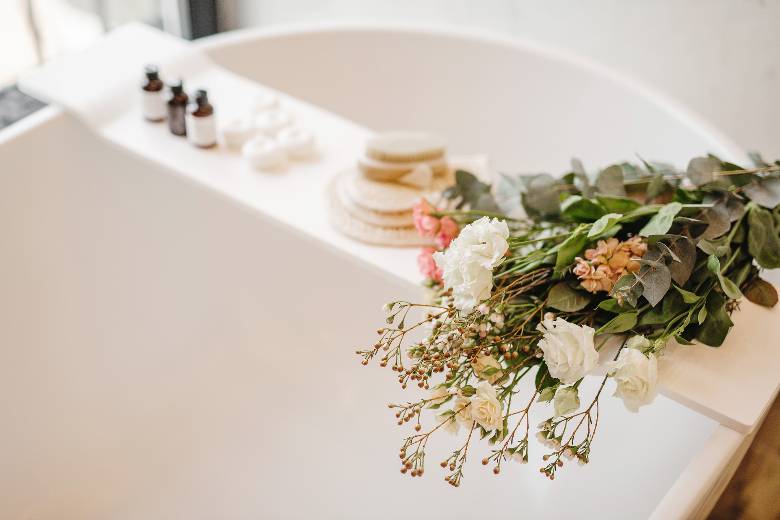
column 636, row 246
column 583, row 268
column 607, row 262
column 448, row 230
column 632, row 266
column 427, row 264
column 619, row 259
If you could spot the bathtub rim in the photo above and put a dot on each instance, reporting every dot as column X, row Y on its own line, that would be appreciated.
column 697, row 122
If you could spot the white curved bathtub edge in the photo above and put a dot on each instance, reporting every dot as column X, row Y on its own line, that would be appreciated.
column 667, row 103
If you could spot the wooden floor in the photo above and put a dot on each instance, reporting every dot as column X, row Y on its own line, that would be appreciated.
column 754, row 492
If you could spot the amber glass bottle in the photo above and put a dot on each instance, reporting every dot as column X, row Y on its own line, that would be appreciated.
column 177, row 109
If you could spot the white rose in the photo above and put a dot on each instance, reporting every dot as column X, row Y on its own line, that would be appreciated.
column 636, row 376
column 566, row 400
column 467, row 264
column 485, row 407
column 568, row 349
column 482, row 363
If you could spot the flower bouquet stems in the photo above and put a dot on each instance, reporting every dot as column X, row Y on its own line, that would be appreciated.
column 531, row 276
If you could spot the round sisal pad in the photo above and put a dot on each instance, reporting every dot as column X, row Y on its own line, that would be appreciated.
column 386, row 197
column 403, row 236
column 405, row 147
column 392, row 171
column 382, row 219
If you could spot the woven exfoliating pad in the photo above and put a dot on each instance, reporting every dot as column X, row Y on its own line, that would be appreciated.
column 353, row 227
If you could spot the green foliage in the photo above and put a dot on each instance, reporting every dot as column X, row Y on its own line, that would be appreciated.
column 763, row 240
column 564, row 298
column 662, row 221
column 621, row 323
column 579, row 209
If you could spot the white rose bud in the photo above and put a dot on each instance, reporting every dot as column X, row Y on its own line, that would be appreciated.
column 566, row 401
column 636, row 376
column 569, row 352
column 638, row 342
column 485, row 407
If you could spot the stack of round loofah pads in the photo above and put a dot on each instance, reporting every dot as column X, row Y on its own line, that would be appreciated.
column 372, row 202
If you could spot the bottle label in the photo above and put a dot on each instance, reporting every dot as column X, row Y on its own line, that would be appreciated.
column 153, row 105
column 201, row 131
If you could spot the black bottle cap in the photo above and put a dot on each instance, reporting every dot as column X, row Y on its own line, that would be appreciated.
column 177, row 87
column 152, row 72
column 201, row 96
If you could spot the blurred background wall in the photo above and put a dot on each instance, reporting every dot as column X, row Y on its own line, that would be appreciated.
column 720, row 57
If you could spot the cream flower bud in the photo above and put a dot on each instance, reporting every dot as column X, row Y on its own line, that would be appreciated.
column 636, row 376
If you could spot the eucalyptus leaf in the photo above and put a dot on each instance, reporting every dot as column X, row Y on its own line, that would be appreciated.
column 660, row 223
column 610, row 181
column 685, row 250
column 508, row 192
column 764, row 192
column 541, row 196
column 762, row 293
column 718, row 220
column 603, row 223
column 718, row 247
column 656, row 279
column 473, row 192
column 581, row 180
column 701, row 170
column 757, row 160
column 566, row 299
column 628, row 289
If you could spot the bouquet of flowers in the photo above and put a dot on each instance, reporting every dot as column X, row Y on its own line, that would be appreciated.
column 532, row 277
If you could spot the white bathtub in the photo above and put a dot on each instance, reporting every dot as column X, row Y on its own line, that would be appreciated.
column 168, row 353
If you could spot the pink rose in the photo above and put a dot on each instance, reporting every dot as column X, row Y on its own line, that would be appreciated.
column 448, row 230
column 426, row 224
column 427, row 264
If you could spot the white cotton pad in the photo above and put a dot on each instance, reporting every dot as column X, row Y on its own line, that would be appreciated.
column 263, row 153
column 236, row 132
column 264, row 101
column 271, row 121
column 298, row 142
